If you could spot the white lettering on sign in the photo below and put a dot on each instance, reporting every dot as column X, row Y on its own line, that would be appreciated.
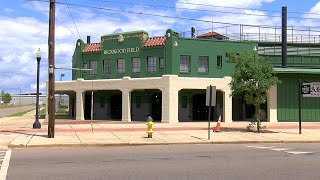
column 311, row 89
column 121, row 51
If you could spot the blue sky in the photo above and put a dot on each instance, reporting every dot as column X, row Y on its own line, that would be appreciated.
column 24, row 27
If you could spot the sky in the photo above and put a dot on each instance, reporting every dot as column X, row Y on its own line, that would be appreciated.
column 24, row 27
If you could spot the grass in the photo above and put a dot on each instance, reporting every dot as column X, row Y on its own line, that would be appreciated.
column 20, row 113
column 9, row 106
column 61, row 112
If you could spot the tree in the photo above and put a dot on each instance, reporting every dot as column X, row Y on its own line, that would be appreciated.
column 252, row 78
column 6, row 98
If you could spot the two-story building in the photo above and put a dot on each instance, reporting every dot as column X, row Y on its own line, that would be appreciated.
column 133, row 75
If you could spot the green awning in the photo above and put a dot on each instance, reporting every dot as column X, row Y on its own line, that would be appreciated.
column 296, row 70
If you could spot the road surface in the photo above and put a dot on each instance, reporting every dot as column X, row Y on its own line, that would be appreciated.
column 211, row 161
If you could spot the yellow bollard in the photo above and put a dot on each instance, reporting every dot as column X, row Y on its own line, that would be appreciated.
column 149, row 126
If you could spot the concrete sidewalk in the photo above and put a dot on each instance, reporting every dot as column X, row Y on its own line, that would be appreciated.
column 18, row 133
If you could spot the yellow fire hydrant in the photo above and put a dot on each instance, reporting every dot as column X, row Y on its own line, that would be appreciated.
column 149, row 124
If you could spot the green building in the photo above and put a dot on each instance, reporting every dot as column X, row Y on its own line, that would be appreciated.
column 127, row 76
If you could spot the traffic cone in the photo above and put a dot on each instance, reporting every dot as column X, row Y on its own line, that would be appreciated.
column 218, row 125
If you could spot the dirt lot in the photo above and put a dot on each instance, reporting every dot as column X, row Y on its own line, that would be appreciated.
column 9, row 111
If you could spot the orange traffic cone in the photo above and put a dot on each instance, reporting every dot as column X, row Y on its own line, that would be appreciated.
column 218, row 125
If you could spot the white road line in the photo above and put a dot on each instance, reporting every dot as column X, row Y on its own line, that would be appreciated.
column 261, row 147
column 5, row 165
column 298, row 152
column 282, row 149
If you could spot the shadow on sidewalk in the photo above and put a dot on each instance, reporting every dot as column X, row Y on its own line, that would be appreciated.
column 22, row 132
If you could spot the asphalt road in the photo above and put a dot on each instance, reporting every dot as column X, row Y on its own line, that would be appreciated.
column 10, row 111
column 237, row 161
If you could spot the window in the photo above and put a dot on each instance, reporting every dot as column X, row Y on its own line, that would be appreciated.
column 106, row 66
column 161, row 63
column 152, row 64
column 135, row 65
column 184, row 101
column 93, row 66
column 203, row 64
column 85, row 65
column 185, row 64
column 121, row 66
column 219, row 61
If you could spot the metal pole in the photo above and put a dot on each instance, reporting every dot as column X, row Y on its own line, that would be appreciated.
column 284, row 37
column 299, row 101
column 37, row 124
column 91, row 110
column 209, row 116
column 51, row 44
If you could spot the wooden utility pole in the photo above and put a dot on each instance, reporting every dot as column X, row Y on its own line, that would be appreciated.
column 51, row 45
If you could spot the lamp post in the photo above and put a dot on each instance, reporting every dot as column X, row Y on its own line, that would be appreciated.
column 37, row 124
column 60, row 105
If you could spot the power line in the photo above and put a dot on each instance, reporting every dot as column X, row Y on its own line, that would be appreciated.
column 149, row 14
column 166, row 16
column 204, row 10
column 229, row 7
column 171, row 7
column 72, row 19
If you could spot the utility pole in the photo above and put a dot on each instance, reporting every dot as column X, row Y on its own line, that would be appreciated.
column 51, row 96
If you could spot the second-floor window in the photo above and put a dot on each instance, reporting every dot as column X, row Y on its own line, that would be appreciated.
column 185, row 64
column 93, row 67
column 161, row 63
column 203, row 64
column 219, row 61
column 107, row 66
column 135, row 65
column 121, row 66
column 152, row 64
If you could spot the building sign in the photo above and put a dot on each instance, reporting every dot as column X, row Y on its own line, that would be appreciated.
column 122, row 51
column 310, row 89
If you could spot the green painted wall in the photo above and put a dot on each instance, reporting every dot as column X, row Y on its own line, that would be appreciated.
column 288, row 100
column 170, row 53
column 204, row 47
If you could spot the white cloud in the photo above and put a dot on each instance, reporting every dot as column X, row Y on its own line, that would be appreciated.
column 208, row 4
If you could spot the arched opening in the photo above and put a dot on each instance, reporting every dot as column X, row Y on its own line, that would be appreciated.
column 146, row 102
column 192, row 105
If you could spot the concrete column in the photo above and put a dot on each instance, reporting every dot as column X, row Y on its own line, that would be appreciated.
column 170, row 100
column 272, row 102
column 79, row 105
column 126, row 106
column 227, row 106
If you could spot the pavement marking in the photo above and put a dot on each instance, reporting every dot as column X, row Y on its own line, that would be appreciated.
column 298, row 152
column 281, row 149
column 5, row 165
column 261, row 147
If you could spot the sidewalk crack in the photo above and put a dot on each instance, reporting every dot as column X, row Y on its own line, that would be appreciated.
column 76, row 134
column 111, row 133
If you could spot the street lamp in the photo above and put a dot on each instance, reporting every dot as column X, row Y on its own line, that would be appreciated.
column 37, row 124
column 60, row 105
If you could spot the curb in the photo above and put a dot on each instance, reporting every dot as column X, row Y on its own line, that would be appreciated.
column 14, row 146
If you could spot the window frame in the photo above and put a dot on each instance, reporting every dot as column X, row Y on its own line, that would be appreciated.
column 219, row 61
column 162, row 64
column 123, row 68
column 94, row 69
column 187, row 65
column 153, row 68
column 106, row 70
column 136, row 67
column 201, row 60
